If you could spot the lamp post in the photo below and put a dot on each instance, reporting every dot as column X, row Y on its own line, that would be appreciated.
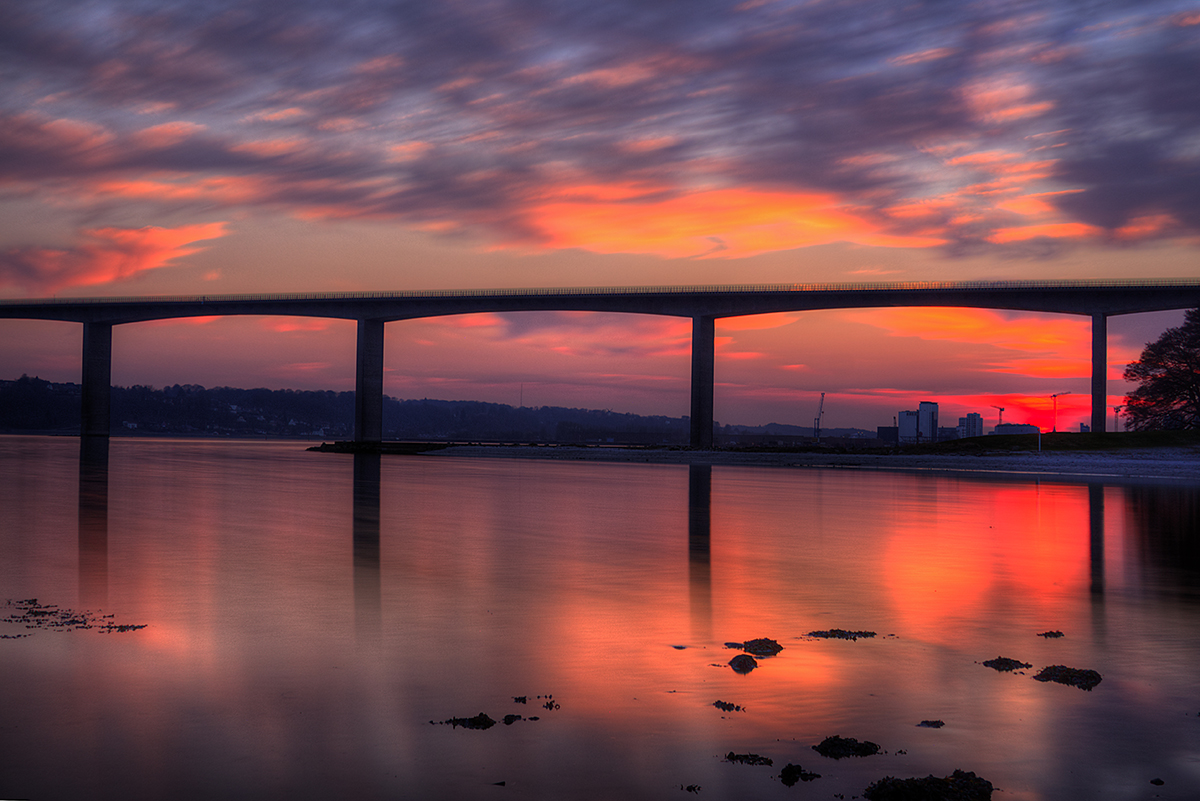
column 1117, row 417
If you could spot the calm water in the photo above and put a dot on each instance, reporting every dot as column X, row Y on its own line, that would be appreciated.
column 307, row 616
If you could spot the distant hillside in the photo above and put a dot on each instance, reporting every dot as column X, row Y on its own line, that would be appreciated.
column 31, row 405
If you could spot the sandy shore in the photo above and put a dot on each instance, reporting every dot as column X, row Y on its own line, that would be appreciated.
column 1172, row 465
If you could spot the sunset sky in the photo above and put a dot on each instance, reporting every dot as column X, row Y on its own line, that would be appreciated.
column 151, row 148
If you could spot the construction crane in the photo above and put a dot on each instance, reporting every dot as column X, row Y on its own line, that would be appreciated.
column 999, row 421
column 817, row 421
column 1055, row 397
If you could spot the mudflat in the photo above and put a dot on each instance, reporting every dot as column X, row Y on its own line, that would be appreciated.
column 1174, row 464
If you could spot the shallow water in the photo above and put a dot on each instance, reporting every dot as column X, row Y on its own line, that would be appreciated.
column 307, row 615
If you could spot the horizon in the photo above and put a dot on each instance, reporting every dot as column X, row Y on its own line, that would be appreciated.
column 201, row 151
column 987, row 428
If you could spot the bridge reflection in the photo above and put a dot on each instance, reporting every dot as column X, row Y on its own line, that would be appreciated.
column 699, row 550
column 368, row 585
column 93, row 521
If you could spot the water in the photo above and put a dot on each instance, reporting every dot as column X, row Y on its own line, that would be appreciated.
column 307, row 615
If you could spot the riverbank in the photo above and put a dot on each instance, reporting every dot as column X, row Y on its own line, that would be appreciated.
column 1174, row 464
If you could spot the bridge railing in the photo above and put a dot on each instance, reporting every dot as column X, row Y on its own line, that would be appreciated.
column 722, row 289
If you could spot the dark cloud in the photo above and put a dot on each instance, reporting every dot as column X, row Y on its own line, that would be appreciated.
column 869, row 100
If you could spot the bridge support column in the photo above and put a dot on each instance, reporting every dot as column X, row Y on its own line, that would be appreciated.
column 96, row 401
column 1099, row 371
column 368, row 383
column 703, row 344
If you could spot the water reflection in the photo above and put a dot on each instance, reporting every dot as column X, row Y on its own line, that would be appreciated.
column 700, row 549
column 1165, row 523
column 93, row 520
column 542, row 577
column 1096, row 542
column 368, row 598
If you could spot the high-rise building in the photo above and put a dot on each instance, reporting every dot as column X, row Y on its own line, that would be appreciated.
column 928, row 426
column 970, row 426
column 919, row 426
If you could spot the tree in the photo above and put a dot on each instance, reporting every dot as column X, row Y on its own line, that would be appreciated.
column 1168, row 372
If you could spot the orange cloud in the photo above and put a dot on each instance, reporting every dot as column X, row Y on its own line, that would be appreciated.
column 284, row 325
column 1052, row 230
column 166, row 135
column 755, row 322
column 726, row 223
column 105, row 255
column 1053, row 346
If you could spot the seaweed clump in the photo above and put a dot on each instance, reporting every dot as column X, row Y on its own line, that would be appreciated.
column 748, row 759
column 840, row 747
column 1003, row 664
column 743, row 663
column 841, row 634
column 763, row 646
column 959, row 786
column 794, row 773
column 1083, row 679
column 480, row 721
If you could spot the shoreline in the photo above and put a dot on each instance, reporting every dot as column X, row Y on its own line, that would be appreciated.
column 1135, row 465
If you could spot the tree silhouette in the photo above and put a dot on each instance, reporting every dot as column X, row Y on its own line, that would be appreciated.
column 1168, row 372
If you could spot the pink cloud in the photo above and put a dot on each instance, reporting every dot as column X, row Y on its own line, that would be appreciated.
column 105, row 255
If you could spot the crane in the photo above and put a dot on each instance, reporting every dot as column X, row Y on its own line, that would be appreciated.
column 1055, row 397
column 817, row 421
column 1000, row 421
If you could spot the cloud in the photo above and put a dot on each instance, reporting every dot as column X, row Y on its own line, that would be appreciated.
column 743, row 130
column 103, row 255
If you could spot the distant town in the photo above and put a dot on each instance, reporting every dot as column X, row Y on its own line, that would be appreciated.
column 32, row 405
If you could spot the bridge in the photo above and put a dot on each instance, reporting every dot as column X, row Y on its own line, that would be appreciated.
column 1096, row 299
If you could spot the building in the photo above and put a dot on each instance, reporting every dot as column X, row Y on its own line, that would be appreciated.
column 970, row 426
column 1015, row 428
column 920, row 425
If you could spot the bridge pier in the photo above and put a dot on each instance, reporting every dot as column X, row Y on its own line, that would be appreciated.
column 368, row 383
column 96, row 399
column 1099, row 371
column 703, row 345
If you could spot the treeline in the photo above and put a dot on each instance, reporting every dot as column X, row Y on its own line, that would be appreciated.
column 31, row 405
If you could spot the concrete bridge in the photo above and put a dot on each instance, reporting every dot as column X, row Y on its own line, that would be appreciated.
column 703, row 304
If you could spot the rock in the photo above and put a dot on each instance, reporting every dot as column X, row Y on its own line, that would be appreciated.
column 743, row 663
column 841, row 634
column 1003, row 663
column 959, row 786
column 1157, row 782
column 748, row 759
column 932, row 724
column 840, row 747
column 1083, row 679
column 794, row 773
